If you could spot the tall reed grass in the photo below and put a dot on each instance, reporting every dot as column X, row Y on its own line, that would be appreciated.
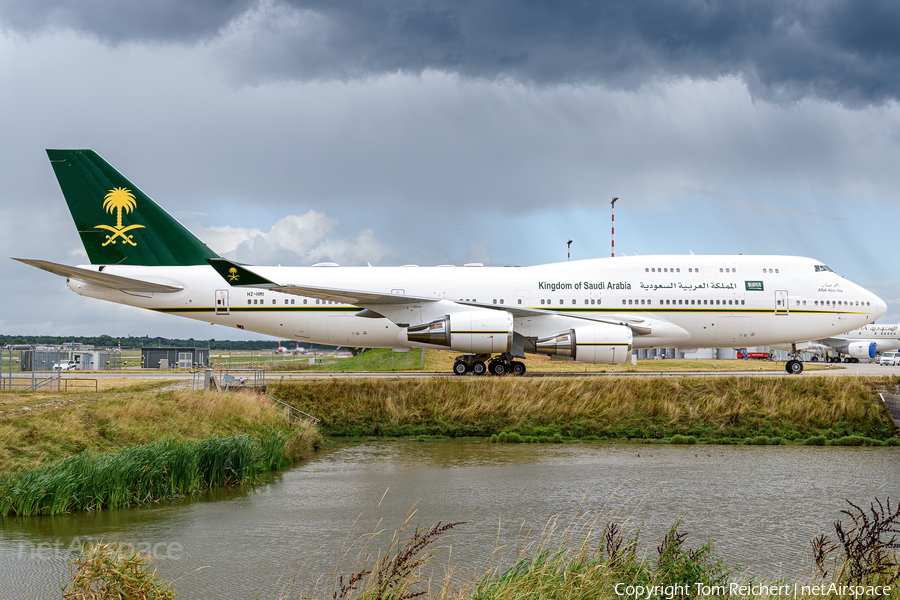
column 642, row 408
column 108, row 422
column 140, row 475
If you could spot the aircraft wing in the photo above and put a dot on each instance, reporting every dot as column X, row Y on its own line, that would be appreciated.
column 99, row 278
column 240, row 276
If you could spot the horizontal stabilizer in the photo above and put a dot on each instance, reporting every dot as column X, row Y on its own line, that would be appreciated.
column 116, row 282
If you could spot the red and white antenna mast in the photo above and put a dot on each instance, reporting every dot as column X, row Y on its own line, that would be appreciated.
column 613, row 234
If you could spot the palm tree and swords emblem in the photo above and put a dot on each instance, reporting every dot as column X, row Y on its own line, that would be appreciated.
column 119, row 199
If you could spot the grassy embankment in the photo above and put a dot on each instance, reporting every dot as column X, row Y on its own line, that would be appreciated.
column 721, row 409
column 64, row 451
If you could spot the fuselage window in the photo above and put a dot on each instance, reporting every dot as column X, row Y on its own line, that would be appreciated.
column 274, row 301
column 495, row 301
column 501, row 300
column 586, row 301
column 249, row 301
column 317, row 300
column 678, row 270
column 520, row 301
column 646, row 269
column 742, row 302
column 624, row 301
column 665, row 270
column 542, row 300
column 304, row 301
column 629, row 301
column 720, row 270
column 561, row 301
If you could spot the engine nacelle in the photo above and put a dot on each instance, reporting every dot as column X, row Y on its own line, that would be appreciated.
column 861, row 349
column 479, row 331
column 597, row 344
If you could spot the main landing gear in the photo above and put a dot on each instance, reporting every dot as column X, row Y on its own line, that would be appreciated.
column 499, row 365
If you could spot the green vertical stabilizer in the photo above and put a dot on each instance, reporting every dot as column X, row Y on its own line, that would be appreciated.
column 117, row 222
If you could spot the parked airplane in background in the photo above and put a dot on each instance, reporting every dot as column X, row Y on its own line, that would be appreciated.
column 594, row 311
column 866, row 342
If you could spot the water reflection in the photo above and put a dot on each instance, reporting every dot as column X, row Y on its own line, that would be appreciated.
column 759, row 504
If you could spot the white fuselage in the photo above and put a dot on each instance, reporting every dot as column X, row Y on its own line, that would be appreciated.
column 885, row 337
column 687, row 301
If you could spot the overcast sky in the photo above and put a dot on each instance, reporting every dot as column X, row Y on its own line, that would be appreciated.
column 431, row 132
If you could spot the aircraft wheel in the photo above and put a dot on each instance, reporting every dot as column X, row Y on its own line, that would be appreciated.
column 498, row 368
column 460, row 368
column 478, row 368
column 814, row 359
column 855, row 360
column 518, row 368
column 794, row 367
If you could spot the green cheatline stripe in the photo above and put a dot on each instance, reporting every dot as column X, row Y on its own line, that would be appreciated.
column 479, row 332
column 247, row 309
column 722, row 309
column 572, row 309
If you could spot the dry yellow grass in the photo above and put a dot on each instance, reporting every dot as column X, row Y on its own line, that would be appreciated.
column 36, row 428
column 647, row 407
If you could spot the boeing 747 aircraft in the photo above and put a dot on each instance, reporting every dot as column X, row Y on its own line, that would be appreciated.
column 593, row 311
column 866, row 342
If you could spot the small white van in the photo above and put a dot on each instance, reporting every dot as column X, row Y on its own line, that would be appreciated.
column 889, row 358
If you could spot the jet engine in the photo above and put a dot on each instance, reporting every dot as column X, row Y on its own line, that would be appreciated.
column 598, row 344
column 479, row 331
column 861, row 349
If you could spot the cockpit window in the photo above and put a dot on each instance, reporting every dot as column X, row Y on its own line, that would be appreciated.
column 823, row 268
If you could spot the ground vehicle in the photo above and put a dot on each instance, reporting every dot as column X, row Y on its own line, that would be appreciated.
column 742, row 353
column 65, row 365
column 889, row 358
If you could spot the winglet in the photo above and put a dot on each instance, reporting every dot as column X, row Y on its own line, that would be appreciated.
column 238, row 276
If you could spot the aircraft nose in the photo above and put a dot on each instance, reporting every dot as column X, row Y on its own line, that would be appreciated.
column 880, row 307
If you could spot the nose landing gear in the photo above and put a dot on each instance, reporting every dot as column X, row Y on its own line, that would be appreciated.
column 795, row 365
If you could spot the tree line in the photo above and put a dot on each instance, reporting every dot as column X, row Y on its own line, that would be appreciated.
column 108, row 341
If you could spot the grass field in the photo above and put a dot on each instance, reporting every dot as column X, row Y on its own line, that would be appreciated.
column 652, row 408
column 37, row 428
column 382, row 360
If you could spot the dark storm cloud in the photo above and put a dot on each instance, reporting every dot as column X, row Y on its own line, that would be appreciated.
column 839, row 50
column 118, row 21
